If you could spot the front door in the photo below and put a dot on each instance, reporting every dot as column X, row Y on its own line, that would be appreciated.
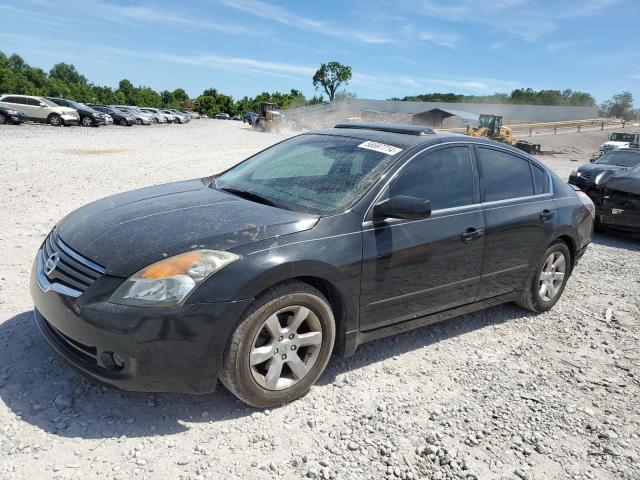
column 413, row 268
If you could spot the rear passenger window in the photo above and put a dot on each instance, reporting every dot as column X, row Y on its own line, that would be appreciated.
column 540, row 179
column 503, row 176
column 445, row 177
column 13, row 100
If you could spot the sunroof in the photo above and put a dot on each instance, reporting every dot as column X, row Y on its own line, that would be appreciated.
column 389, row 127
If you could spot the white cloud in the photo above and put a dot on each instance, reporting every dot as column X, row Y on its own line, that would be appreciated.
column 563, row 46
column 286, row 17
column 527, row 19
column 140, row 14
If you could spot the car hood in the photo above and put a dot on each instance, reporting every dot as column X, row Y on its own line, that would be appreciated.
column 628, row 182
column 595, row 168
column 612, row 144
column 129, row 231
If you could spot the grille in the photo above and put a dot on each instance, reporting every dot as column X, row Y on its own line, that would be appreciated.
column 73, row 270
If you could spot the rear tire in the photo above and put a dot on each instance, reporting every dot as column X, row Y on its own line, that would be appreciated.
column 281, row 347
column 548, row 280
column 55, row 120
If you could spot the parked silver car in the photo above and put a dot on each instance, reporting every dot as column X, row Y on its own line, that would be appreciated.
column 141, row 118
column 178, row 116
column 158, row 115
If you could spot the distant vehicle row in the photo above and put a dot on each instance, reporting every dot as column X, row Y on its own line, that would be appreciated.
column 56, row 111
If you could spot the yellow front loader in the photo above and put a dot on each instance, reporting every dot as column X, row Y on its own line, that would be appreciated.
column 491, row 126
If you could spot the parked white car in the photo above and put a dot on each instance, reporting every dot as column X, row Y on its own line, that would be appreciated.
column 157, row 114
column 41, row 110
column 621, row 140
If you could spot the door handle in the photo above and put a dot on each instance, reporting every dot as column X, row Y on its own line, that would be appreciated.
column 546, row 215
column 472, row 234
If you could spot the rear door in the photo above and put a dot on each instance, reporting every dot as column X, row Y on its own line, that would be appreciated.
column 412, row 268
column 519, row 214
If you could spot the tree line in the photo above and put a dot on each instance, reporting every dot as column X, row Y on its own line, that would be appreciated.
column 620, row 105
column 64, row 80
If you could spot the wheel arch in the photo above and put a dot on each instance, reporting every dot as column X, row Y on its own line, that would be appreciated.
column 330, row 281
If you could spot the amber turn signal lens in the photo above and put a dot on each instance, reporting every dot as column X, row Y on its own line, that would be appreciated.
column 178, row 265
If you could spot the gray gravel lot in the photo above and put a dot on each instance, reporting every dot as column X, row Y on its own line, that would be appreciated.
column 497, row 394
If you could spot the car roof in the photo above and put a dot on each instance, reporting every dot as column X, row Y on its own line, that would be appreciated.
column 401, row 135
column 19, row 95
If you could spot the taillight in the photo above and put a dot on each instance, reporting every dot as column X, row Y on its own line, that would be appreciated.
column 587, row 202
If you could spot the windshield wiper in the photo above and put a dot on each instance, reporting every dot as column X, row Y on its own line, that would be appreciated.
column 250, row 196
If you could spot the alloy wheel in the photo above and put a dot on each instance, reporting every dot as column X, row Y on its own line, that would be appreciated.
column 552, row 276
column 286, row 347
column 87, row 122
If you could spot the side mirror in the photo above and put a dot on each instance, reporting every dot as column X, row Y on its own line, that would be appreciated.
column 401, row 206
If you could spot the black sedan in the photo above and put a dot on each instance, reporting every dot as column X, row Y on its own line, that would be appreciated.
column 89, row 117
column 617, row 200
column 12, row 115
column 119, row 117
column 615, row 160
column 315, row 245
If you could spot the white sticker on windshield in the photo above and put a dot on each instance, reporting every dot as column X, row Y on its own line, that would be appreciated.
column 380, row 147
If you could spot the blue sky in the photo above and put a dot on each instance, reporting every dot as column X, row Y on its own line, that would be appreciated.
column 395, row 47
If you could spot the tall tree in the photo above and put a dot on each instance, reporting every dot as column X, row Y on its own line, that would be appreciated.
column 330, row 76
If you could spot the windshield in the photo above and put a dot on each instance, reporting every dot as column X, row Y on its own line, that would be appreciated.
column 621, row 158
column 621, row 137
column 49, row 102
column 311, row 173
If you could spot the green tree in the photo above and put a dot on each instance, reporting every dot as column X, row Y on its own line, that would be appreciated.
column 620, row 106
column 126, row 92
column 66, row 73
column 330, row 76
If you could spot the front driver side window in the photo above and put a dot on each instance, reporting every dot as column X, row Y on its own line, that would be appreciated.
column 445, row 177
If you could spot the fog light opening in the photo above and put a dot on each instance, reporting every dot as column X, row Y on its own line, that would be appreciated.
column 113, row 361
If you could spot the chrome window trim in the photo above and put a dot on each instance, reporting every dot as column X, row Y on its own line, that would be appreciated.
column 462, row 142
column 517, row 200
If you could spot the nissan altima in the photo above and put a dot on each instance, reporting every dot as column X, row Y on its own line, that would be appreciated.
column 322, row 242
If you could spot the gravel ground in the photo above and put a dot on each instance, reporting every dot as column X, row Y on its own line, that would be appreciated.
column 499, row 394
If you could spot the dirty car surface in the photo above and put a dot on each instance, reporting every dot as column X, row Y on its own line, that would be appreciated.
column 395, row 227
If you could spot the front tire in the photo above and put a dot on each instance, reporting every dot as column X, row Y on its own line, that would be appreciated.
column 123, row 122
column 3, row 119
column 55, row 120
column 548, row 280
column 138, row 121
column 87, row 122
column 282, row 346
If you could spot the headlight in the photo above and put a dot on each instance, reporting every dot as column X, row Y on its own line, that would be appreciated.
column 169, row 282
column 12, row 112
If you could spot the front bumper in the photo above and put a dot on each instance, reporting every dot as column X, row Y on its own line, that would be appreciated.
column 16, row 119
column 175, row 349
column 70, row 119
column 616, row 210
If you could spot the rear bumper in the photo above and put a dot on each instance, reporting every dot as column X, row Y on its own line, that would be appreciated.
column 177, row 349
